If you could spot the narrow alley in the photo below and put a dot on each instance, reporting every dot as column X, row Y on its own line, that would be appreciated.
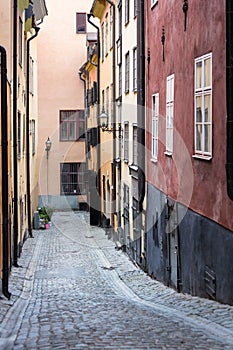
column 75, row 290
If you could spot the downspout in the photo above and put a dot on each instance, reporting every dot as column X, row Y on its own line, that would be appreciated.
column 85, row 106
column 27, row 137
column 5, row 203
column 14, row 125
column 114, row 110
column 229, row 96
column 141, row 103
column 98, row 112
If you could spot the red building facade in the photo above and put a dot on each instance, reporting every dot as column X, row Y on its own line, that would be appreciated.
column 189, row 213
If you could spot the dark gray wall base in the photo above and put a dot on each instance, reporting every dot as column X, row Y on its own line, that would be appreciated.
column 204, row 263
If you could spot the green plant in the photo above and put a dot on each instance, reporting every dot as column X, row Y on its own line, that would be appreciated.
column 45, row 214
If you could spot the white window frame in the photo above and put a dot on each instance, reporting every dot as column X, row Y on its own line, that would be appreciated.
column 126, row 141
column 127, row 72
column 135, row 145
column 106, row 34
column 153, row 3
column 202, row 92
column 169, row 113
column 155, row 125
column 134, row 69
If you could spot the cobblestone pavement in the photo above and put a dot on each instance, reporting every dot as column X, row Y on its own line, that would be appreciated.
column 76, row 291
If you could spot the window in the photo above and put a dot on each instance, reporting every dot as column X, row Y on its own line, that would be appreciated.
column 106, row 34
column 135, row 69
column 103, row 100
column 20, row 53
column 135, row 8
column 135, row 145
column 119, row 19
column 126, row 210
column 126, row 142
column 72, row 125
column 31, row 81
column 126, row 11
column 119, row 51
column 33, row 135
column 169, row 113
column 155, row 119
column 80, row 23
column 136, row 216
column 107, row 101
column 153, row 2
column 111, row 27
column 127, row 72
column 120, row 81
column 203, row 106
column 102, row 34
column 72, row 178
column 19, row 135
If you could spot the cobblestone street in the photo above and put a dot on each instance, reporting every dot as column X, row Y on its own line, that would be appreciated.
column 76, row 291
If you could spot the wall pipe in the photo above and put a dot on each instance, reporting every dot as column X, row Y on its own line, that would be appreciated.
column 114, row 109
column 5, row 202
column 98, row 112
column 141, row 102
column 27, row 136
column 229, row 97
column 14, row 125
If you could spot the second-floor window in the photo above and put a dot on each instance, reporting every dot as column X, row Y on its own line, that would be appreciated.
column 102, row 48
column 203, row 106
column 126, row 142
column 72, row 125
column 155, row 120
column 126, row 11
column 169, row 113
column 135, row 145
column 33, row 135
column 20, row 44
column 127, row 72
column 135, row 69
column 106, row 34
column 80, row 23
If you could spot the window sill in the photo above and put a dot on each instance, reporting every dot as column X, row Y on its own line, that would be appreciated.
column 201, row 157
column 154, row 160
column 133, row 170
column 168, row 154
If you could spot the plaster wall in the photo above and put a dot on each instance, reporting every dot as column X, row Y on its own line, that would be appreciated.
column 61, row 52
column 199, row 184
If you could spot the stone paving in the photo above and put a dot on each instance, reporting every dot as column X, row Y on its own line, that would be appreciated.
column 76, row 291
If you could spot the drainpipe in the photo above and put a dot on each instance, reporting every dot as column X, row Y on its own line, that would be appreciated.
column 114, row 111
column 229, row 96
column 14, row 125
column 5, row 203
column 98, row 112
column 141, row 103
column 27, row 137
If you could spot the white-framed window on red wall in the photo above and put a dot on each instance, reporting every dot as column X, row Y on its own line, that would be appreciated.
column 155, row 124
column 72, row 125
column 203, row 106
column 169, row 113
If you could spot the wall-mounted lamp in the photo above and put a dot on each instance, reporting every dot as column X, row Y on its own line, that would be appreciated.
column 103, row 123
column 48, row 145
